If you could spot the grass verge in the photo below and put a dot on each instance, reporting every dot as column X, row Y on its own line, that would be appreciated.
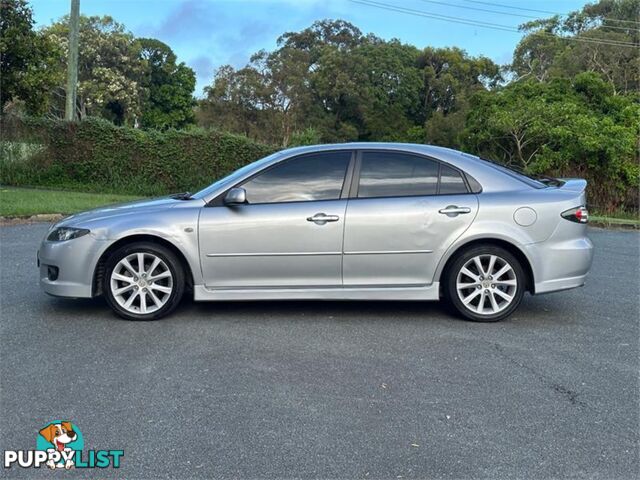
column 614, row 221
column 23, row 202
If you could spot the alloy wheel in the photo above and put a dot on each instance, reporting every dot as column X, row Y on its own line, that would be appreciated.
column 141, row 283
column 486, row 284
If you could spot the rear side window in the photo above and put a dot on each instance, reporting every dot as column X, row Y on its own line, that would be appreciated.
column 392, row 174
column 451, row 181
column 307, row 178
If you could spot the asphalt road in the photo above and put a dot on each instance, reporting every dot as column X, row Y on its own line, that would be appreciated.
column 331, row 390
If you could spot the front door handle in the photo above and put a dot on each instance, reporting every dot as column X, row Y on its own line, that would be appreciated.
column 453, row 210
column 322, row 218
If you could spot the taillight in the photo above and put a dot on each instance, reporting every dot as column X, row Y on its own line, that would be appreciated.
column 578, row 214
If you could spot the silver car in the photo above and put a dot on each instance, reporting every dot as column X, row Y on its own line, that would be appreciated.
column 359, row 221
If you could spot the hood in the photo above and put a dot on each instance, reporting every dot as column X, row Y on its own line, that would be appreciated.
column 119, row 209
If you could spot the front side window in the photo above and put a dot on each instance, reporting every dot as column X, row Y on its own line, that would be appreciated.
column 393, row 174
column 307, row 178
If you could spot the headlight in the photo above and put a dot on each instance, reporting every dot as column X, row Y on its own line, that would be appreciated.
column 61, row 234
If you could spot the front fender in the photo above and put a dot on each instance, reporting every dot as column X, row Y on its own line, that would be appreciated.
column 177, row 226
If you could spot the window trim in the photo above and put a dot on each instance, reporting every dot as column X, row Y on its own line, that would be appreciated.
column 355, row 185
column 218, row 201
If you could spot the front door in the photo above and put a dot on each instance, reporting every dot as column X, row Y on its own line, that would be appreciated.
column 403, row 219
column 288, row 234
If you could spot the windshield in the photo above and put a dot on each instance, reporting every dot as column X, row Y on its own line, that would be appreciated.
column 232, row 177
column 518, row 174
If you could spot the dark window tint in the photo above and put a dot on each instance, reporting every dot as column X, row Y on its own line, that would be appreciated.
column 390, row 174
column 306, row 178
column 451, row 181
column 474, row 185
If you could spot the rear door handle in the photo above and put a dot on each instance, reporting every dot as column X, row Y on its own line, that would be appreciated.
column 322, row 218
column 453, row 210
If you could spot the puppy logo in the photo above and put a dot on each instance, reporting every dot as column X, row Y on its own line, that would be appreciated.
column 61, row 437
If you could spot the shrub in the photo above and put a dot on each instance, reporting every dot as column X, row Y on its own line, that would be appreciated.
column 94, row 155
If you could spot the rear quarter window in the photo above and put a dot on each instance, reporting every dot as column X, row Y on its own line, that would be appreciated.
column 451, row 181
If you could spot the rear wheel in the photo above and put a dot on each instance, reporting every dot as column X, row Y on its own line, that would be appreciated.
column 143, row 281
column 485, row 283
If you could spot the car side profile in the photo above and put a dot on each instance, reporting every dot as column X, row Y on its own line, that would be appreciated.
column 358, row 221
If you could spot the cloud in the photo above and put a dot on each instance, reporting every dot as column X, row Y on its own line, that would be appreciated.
column 192, row 18
column 212, row 33
column 202, row 65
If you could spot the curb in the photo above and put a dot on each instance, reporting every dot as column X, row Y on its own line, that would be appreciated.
column 39, row 218
column 621, row 225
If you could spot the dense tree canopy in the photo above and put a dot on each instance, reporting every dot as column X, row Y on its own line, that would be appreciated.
column 169, row 87
column 26, row 59
column 563, row 128
column 345, row 85
column 120, row 78
column 109, row 69
column 597, row 33
column 574, row 107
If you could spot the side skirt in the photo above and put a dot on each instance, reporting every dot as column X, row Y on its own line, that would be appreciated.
column 423, row 292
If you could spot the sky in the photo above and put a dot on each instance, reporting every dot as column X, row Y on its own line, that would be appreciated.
column 206, row 34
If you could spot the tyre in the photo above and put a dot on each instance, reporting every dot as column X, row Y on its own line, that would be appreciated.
column 143, row 281
column 485, row 283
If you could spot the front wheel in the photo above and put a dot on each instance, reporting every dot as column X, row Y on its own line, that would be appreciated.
column 143, row 281
column 485, row 283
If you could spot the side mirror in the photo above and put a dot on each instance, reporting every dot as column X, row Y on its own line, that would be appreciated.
column 235, row 196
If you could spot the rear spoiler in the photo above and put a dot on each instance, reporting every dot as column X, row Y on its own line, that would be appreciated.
column 573, row 184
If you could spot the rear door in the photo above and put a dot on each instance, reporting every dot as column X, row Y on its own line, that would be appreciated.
column 290, row 231
column 404, row 213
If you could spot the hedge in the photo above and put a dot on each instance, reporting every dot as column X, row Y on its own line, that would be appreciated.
column 95, row 155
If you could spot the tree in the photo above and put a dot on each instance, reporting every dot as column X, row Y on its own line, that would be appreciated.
column 346, row 86
column 110, row 70
column 237, row 102
column 563, row 128
column 25, row 59
column 169, row 87
column 562, row 48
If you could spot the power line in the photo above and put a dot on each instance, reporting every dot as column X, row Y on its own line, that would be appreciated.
column 514, row 8
column 542, row 11
column 493, row 26
column 410, row 11
column 519, row 15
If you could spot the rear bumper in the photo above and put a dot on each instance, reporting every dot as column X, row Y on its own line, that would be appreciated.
column 560, row 265
column 559, row 284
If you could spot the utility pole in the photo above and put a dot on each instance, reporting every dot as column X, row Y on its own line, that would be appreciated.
column 72, row 65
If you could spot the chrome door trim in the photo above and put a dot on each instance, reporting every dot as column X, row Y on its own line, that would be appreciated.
column 272, row 254
column 386, row 252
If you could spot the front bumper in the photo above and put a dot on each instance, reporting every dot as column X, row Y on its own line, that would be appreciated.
column 75, row 261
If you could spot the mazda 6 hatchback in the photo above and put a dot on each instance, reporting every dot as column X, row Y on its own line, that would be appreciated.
column 360, row 221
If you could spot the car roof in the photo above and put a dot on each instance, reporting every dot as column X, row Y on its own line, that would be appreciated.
column 417, row 147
